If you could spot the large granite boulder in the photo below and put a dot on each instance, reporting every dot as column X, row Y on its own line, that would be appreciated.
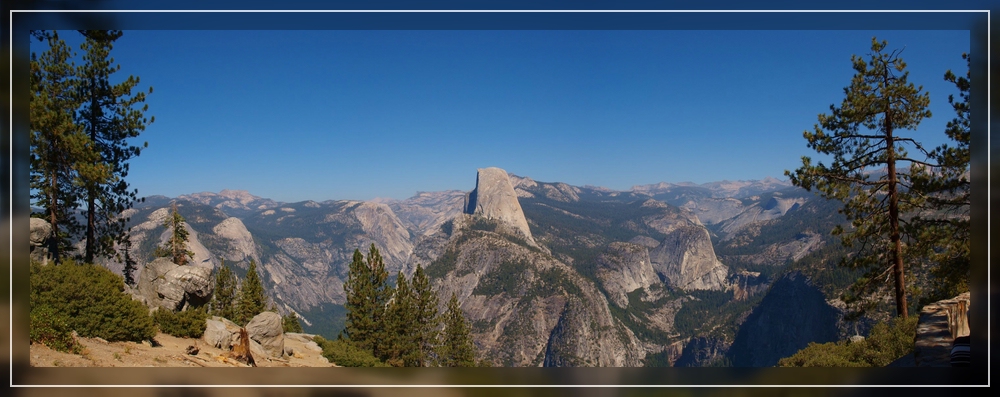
column 38, row 236
column 162, row 283
column 265, row 328
column 217, row 335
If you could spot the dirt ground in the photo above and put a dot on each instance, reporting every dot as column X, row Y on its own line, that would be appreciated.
column 171, row 352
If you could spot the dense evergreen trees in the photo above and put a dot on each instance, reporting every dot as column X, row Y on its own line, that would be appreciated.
column 80, row 124
column 400, row 325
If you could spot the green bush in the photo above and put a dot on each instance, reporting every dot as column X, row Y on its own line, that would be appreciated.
column 49, row 328
column 346, row 354
column 92, row 301
column 885, row 343
column 186, row 324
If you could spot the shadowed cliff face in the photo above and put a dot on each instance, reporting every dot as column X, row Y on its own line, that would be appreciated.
column 777, row 328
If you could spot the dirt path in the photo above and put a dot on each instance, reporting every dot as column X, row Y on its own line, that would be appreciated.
column 172, row 352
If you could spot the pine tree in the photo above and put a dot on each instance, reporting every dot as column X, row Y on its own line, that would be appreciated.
column 400, row 325
column 176, row 245
column 367, row 294
column 944, row 226
column 128, row 262
column 253, row 299
column 862, row 136
column 290, row 323
column 61, row 153
column 224, row 297
column 456, row 348
column 425, row 323
column 109, row 116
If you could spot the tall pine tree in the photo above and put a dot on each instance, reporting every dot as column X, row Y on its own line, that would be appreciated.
column 863, row 138
column 367, row 294
column 425, row 322
column 110, row 115
column 400, row 324
column 456, row 349
column 61, row 153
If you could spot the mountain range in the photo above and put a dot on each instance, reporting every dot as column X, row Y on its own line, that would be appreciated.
column 548, row 273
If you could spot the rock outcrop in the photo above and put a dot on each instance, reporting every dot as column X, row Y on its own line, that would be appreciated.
column 38, row 236
column 494, row 198
column 265, row 328
column 217, row 334
column 686, row 259
column 162, row 283
column 624, row 268
column 241, row 246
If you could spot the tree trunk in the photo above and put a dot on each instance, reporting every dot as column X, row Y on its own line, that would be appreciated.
column 896, row 257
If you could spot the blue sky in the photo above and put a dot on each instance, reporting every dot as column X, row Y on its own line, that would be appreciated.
column 318, row 115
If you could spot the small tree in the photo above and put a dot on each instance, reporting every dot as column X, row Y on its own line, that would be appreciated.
column 456, row 348
column 224, row 297
column 253, row 299
column 176, row 245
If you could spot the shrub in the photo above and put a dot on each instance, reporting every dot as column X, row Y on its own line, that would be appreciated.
column 92, row 301
column 186, row 324
column 49, row 328
column 885, row 343
column 346, row 354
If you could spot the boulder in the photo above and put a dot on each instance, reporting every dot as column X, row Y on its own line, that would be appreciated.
column 162, row 283
column 216, row 334
column 39, row 232
column 38, row 235
column 265, row 328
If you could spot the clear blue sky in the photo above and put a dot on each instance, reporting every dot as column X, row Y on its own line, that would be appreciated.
column 318, row 115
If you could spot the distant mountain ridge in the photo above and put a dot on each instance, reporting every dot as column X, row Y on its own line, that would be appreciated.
column 514, row 250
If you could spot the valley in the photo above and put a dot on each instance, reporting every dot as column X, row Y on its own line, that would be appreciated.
column 549, row 274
